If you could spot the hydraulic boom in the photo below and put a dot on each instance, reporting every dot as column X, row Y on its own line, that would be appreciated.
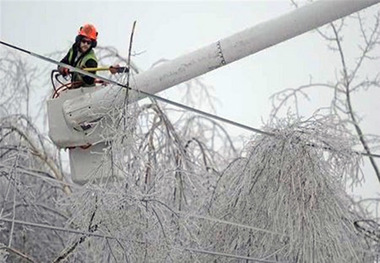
column 79, row 117
column 91, row 106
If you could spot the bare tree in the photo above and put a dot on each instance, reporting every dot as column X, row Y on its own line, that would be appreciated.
column 353, row 76
column 184, row 192
column 167, row 164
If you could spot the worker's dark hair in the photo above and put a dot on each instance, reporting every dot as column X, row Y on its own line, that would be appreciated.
column 78, row 39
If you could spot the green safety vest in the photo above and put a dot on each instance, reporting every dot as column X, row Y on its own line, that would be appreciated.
column 81, row 64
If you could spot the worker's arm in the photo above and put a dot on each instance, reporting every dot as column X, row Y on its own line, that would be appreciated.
column 64, row 71
column 91, row 63
column 65, row 59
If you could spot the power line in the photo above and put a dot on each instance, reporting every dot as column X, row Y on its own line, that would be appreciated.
column 202, row 251
column 230, row 223
column 182, row 214
column 180, row 105
column 55, row 228
column 78, row 70
column 40, row 176
column 195, row 250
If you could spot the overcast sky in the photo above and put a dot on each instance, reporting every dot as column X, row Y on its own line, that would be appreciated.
column 170, row 29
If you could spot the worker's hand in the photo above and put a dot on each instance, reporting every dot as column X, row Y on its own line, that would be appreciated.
column 64, row 71
column 114, row 69
column 102, row 82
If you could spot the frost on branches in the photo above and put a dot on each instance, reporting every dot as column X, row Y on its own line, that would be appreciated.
column 184, row 193
column 292, row 186
column 282, row 200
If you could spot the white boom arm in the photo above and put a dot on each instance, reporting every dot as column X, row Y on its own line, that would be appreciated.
column 215, row 55
column 75, row 108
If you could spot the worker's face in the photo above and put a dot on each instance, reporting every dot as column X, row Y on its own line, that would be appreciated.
column 85, row 44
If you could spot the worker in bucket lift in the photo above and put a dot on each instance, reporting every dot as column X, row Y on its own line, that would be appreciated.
column 82, row 55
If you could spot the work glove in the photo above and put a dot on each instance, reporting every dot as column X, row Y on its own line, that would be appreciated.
column 114, row 69
column 64, row 71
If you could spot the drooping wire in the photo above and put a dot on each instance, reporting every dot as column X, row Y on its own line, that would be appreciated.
column 178, row 213
column 88, row 233
column 214, row 253
column 179, row 105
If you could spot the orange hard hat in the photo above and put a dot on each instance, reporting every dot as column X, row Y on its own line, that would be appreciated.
column 89, row 31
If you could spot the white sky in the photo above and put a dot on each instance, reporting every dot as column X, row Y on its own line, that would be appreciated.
column 170, row 29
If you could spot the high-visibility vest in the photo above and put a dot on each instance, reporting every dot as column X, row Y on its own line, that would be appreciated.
column 81, row 64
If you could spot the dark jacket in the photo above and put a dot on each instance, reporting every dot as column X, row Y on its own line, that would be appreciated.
column 85, row 60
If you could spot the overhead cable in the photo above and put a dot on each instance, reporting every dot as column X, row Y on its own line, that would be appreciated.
column 179, row 105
